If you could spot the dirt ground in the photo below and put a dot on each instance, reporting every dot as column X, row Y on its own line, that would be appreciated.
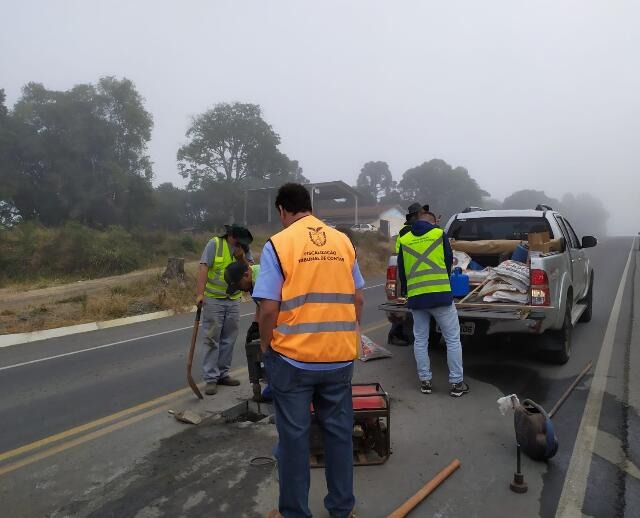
column 95, row 300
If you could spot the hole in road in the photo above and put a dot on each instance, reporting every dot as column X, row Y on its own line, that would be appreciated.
column 247, row 411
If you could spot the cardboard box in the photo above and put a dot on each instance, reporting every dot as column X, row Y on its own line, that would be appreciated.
column 541, row 242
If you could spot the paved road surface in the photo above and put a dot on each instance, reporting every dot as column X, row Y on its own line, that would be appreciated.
column 86, row 431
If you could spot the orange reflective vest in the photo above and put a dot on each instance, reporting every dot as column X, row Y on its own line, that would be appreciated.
column 317, row 319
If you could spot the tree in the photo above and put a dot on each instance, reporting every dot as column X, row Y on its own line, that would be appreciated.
column 232, row 148
column 445, row 189
column 81, row 154
column 226, row 144
column 528, row 199
column 172, row 208
column 393, row 197
column 375, row 180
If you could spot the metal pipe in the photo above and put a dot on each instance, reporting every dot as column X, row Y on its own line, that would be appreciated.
column 567, row 392
column 425, row 491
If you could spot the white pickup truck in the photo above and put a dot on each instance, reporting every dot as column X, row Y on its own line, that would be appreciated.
column 561, row 281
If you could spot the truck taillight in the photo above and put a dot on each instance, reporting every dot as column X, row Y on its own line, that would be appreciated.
column 539, row 288
column 390, row 285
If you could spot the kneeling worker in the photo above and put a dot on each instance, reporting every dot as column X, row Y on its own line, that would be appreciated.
column 241, row 276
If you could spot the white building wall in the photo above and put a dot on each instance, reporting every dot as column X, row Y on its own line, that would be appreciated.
column 395, row 218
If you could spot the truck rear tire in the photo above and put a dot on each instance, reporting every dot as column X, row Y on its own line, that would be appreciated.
column 588, row 300
column 558, row 343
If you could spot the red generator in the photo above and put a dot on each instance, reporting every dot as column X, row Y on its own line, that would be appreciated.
column 371, row 427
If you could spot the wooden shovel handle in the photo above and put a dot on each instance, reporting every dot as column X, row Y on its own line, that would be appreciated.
column 425, row 491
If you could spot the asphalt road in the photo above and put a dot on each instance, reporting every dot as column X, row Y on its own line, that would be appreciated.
column 53, row 386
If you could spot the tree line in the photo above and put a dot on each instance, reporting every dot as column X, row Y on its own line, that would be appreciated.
column 82, row 155
column 449, row 190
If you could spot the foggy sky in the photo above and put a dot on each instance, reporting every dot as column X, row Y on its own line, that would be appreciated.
column 541, row 95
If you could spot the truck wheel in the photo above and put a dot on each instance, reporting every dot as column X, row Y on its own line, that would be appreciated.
column 558, row 343
column 588, row 300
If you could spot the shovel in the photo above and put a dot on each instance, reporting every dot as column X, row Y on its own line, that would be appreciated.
column 194, row 336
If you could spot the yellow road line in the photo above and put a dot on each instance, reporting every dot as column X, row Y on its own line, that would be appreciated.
column 80, row 440
column 105, row 420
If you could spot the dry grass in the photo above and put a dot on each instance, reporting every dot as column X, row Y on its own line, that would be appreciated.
column 138, row 297
column 153, row 294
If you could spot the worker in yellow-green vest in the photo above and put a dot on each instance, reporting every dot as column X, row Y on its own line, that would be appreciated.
column 220, row 309
column 412, row 215
column 424, row 267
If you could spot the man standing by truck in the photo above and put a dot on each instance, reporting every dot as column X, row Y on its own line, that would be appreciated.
column 220, row 309
column 424, row 267
column 396, row 333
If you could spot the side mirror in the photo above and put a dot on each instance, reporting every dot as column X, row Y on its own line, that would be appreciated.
column 589, row 242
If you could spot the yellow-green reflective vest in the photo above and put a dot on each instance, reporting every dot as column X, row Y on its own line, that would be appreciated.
column 424, row 266
column 216, row 287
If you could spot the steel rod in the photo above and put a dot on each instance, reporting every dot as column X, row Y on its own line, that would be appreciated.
column 566, row 394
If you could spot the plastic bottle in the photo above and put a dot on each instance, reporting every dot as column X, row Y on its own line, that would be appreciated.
column 459, row 283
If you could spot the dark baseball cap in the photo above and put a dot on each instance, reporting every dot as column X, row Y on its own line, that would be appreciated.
column 241, row 233
column 415, row 207
column 232, row 275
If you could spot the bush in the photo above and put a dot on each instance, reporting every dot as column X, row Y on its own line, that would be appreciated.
column 188, row 244
column 29, row 251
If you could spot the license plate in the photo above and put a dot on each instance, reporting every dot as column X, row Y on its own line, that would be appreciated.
column 466, row 328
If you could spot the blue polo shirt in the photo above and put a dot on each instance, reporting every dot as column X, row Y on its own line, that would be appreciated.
column 269, row 286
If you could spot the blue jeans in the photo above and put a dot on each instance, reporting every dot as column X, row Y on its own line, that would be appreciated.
column 447, row 319
column 219, row 327
column 293, row 390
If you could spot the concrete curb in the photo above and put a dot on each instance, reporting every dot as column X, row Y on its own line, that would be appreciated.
column 34, row 336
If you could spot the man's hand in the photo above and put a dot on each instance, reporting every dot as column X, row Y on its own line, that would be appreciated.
column 201, row 282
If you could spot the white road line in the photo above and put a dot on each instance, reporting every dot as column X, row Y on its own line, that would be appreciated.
column 575, row 482
column 89, row 349
column 102, row 346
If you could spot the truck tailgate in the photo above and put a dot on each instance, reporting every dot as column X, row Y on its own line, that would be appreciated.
column 489, row 311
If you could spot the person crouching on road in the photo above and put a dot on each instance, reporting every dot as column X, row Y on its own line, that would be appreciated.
column 220, row 307
column 424, row 266
column 242, row 276
column 310, row 288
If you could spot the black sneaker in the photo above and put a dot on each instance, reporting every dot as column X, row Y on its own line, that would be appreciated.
column 458, row 389
column 425, row 386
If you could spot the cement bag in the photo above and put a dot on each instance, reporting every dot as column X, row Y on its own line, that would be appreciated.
column 371, row 350
column 514, row 273
column 534, row 431
column 507, row 296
